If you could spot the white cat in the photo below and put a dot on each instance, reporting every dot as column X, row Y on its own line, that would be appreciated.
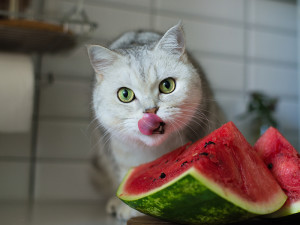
column 150, row 98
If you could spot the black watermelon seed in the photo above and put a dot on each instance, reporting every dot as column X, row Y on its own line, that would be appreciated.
column 204, row 153
column 209, row 143
column 162, row 176
column 270, row 165
column 167, row 161
column 184, row 163
column 153, row 180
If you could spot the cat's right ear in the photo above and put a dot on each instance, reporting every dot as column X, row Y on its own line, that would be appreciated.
column 173, row 41
column 101, row 58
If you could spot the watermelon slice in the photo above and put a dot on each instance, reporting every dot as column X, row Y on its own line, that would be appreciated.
column 218, row 179
column 284, row 162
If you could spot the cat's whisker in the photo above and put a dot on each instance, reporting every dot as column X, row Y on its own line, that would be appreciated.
column 201, row 117
column 116, row 133
column 177, row 130
column 95, row 119
column 183, row 113
column 201, row 112
column 198, row 117
column 100, row 140
column 187, row 126
column 214, row 117
column 96, row 125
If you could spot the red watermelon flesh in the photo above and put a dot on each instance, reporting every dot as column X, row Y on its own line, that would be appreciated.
column 283, row 161
column 224, row 156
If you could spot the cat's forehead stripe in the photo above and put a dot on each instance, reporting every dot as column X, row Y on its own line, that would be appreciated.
column 140, row 61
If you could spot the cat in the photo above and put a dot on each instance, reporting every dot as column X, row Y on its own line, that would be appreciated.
column 149, row 98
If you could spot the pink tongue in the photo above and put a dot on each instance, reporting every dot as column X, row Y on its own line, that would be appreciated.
column 149, row 123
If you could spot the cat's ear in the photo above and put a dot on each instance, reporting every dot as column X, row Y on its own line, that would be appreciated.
column 173, row 41
column 101, row 58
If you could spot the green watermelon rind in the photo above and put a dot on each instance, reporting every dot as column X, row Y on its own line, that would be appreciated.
column 227, row 208
column 288, row 210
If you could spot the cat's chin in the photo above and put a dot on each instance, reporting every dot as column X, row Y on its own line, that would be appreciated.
column 156, row 140
column 153, row 140
column 141, row 140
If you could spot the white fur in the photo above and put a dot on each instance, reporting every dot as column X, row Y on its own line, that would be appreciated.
column 142, row 70
column 121, row 118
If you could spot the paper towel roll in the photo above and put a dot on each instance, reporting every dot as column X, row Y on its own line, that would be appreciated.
column 16, row 92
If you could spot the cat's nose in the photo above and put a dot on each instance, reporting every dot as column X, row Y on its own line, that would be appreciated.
column 151, row 110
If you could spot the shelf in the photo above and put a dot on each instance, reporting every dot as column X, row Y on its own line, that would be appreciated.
column 29, row 36
column 39, row 33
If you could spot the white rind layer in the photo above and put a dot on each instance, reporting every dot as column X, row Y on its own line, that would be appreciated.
column 286, row 210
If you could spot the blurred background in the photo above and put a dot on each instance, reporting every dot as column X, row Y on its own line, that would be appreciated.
column 248, row 49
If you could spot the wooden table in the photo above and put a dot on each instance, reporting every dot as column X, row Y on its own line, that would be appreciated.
column 292, row 220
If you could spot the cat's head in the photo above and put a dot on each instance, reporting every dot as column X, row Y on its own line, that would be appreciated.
column 154, row 77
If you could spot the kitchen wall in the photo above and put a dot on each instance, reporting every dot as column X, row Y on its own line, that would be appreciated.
column 243, row 45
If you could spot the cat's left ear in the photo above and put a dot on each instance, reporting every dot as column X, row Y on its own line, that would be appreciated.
column 173, row 41
column 101, row 58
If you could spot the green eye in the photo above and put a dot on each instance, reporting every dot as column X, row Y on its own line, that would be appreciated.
column 125, row 95
column 167, row 86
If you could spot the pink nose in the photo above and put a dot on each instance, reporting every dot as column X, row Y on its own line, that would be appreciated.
column 150, row 124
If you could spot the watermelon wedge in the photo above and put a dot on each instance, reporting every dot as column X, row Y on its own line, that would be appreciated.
column 219, row 179
column 283, row 161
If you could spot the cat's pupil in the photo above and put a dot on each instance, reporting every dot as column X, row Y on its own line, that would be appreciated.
column 167, row 84
column 125, row 93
